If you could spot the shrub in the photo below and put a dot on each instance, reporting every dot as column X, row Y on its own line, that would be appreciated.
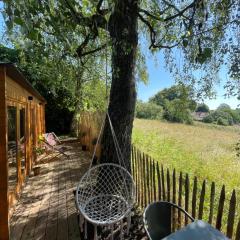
column 219, row 117
column 234, row 114
column 222, row 121
column 208, row 119
column 202, row 108
column 176, row 111
column 148, row 110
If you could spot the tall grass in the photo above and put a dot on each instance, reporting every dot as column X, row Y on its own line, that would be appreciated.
column 201, row 150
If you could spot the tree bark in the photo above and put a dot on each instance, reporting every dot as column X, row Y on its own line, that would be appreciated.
column 123, row 32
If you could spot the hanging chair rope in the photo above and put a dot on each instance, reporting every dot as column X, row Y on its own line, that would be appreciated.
column 116, row 143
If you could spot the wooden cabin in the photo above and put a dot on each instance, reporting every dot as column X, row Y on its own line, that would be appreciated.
column 22, row 120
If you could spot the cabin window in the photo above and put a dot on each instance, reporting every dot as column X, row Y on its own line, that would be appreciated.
column 12, row 147
column 22, row 141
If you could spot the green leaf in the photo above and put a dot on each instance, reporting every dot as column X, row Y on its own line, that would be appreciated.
column 185, row 43
column 207, row 52
column 33, row 35
column 18, row 21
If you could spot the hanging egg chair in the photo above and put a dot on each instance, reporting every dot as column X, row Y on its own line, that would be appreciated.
column 106, row 192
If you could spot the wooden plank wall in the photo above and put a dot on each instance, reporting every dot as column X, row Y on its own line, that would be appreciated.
column 13, row 94
column 17, row 96
column 4, row 234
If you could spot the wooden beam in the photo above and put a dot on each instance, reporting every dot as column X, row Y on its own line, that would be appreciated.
column 4, row 227
column 28, row 142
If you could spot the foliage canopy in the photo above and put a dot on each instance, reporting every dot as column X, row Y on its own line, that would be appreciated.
column 203, row 34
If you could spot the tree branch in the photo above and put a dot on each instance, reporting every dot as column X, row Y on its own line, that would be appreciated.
column 151, row 15
column 73, row 12
column 82, row 54
column 152, row 31
column 97, row 19
column 174, row 7
column 181, row 12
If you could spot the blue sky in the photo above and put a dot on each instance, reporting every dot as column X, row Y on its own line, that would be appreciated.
column 160, row 78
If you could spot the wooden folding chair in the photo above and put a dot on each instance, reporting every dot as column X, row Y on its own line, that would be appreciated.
column 53, row 143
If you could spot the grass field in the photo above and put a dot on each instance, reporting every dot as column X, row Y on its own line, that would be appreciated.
column 202, row 150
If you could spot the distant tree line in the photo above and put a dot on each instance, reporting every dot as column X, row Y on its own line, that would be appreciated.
column 223, row 115
column 177, row 104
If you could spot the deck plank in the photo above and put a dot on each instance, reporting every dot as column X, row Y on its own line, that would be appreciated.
column 46, row 209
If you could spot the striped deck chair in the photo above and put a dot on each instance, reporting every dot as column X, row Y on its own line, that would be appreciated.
column 53, row 143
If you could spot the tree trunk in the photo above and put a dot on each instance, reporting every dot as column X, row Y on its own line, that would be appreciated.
column 123, row 32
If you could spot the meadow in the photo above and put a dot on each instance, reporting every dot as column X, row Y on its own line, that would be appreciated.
column 203, row 150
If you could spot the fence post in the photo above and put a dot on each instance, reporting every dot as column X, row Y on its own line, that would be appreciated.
column 168, row 186
column 202, row 198
column 174, row 189
column 147, row 178
column 180, row 200
column 194, row 198
column 163, row 184
column 231, row 215
column 142, row 180
column 174, row 199
column 133, row 170
column 187, row 185
column 151, row 179
column 212, row 197
column 159, row 183
column 144, row 176
column 220, row 209
column 154, row 182
column 139, row 178
column 137, row 174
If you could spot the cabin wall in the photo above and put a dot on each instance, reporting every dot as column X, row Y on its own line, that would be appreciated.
column 33, row 122
column 22, row 120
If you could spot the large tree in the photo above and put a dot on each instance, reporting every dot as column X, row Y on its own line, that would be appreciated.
column 177, row 101
column 204, row 32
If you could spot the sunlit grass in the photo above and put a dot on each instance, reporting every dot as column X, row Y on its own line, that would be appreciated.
column 205, row 151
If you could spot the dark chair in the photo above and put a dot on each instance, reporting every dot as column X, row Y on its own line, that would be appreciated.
column 157, row 219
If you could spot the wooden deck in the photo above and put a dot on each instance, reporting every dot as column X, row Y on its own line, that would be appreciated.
column 46, row 209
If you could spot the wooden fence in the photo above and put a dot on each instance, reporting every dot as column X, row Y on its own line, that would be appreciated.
column 202, row 200
column 89, row 124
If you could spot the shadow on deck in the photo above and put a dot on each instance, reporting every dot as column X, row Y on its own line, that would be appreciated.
column 46, row 209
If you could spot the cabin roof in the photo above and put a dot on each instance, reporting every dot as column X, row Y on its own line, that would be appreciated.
column 15, row 74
